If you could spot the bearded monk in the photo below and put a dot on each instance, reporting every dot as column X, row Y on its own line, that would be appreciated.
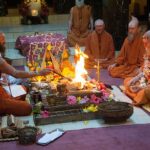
column 80, row 23
column 8, row 104
column 99, row 45
column 138, row 87
column 130, row 57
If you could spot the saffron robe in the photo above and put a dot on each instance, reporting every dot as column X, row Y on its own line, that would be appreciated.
column 80, row 25
column 10, row 105
column 130, row 58
column 15, row 106
column 142, row 96
column 99, row 47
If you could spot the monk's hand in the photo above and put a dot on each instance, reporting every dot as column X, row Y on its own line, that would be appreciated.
column 112, row 66
column 135, row 88
column 4, row 79
column 132, row 81
column 135, row 79
column 44, row 72
column 3, row 82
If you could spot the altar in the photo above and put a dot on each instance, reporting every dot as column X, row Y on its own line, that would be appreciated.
column 28, row 43
column 68, row 95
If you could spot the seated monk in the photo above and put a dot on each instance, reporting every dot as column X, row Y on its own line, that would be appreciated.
column 99, row 45
column 138, row 87
column 8, row 104
column 79, row 23
column 130, row 57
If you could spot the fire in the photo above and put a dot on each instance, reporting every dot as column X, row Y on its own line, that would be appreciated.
column 80, row 71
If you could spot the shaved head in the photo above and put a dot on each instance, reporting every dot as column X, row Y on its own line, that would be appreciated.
column 146, row 42
column 99, row 26
column 147, row 34
column 99, row 22
column 133, row 23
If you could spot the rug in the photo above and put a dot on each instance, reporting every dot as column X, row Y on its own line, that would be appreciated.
column 105, row 77
column 130, row 137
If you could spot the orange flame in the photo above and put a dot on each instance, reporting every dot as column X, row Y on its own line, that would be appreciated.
column 80, row 71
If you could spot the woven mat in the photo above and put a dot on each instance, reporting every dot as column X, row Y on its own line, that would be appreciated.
column 8, row 139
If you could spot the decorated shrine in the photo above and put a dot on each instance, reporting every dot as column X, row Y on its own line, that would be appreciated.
column 34, row 12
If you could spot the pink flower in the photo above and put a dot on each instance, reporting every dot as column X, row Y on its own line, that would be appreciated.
column 71, row 100
column 95, row 99
column 105, row 93
column 45, row 114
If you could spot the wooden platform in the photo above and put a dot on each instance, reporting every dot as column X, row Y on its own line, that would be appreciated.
column 60, row 111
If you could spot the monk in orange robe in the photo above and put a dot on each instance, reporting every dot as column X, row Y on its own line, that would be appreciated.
column 138, row 87
column 8, row 104
column 130, row 57
column 79, row 23
column 99, row 45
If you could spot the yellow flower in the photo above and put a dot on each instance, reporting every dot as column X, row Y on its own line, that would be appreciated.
column 38, row 69
column 79, row 99
column 86, row 122
column 91, row 108
column 68, row 73
column 29, row 64
column 49, row 47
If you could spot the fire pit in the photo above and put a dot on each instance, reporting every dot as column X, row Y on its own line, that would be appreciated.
column 73, row 100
